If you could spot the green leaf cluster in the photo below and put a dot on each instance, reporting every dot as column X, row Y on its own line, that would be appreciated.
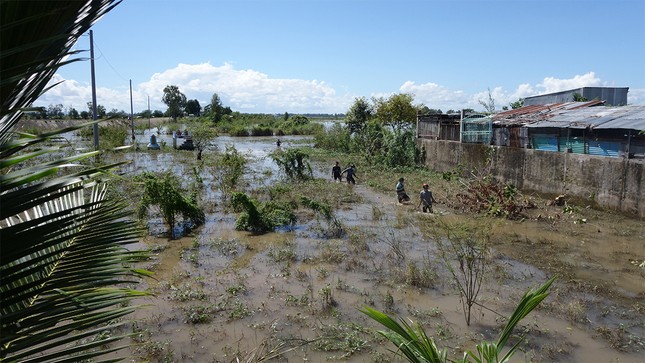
column 229, row 169
column 294, row 162
column 416, row 346
column 261, row 217
column 164, row 191
column 62, row 254
column 64, row 269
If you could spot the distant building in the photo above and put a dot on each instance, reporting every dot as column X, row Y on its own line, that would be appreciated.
column 613, row 96
column 574, row 127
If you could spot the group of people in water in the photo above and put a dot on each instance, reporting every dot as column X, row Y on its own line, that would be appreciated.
column 425, row 196
column 350, row 172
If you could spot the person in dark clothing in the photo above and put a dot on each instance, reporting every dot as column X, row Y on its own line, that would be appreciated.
column 278, row 143
column 351, row 173
column 336, row 172
column 401, row 195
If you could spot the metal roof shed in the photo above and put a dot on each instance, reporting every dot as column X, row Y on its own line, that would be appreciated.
column 631, row 118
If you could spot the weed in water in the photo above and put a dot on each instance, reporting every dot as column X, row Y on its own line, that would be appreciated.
column 322, row 272
column 326, row 297
column 465, row 248
column 227, row 247
column 239, row 311
column 301, row 275
column 354, row 264
column 187, row 292
column 377, row 213
column 424, row 315
column 229, row 169
column 346, row 339
column 332, row 253
column 192, row 257
column 388, row 302
column 164, row 191
column 292, row 300
column 342, row 285
column 236, row 290
column 198, row 314
column 357, row 240
column 156, row 351
column 576, row 311
column 397, row 250
column 419, row 277
column 283, row 254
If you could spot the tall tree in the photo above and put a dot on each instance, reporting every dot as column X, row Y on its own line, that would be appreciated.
column 175, row 100
column 72, row 113
column 55, row 111
column 216, row 108
column 358, row 115
column 397, row 111
column 193, row 107
column 100, row 110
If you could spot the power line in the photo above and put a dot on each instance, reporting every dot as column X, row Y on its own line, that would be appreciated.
column 104, row 57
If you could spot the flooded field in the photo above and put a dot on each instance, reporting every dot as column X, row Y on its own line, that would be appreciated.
column 293, row 295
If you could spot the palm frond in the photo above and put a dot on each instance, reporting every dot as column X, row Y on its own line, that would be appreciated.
column 413, row 343
column 61, row 262
column 64, row 268
column 416, row 346
column 37, row 37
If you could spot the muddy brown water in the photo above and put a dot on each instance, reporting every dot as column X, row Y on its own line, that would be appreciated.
column 222, row 294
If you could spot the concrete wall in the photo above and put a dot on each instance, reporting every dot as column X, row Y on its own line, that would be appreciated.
column 614, row 183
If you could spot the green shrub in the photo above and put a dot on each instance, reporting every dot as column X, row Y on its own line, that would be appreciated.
column 294, row 162
column 164, row 191
column 336, row 139
column 260, row 217
column 110, row 137
column 261, row 131
column 238, row 131
column 230, row 168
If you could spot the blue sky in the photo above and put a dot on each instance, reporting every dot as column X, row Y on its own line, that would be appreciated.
column 314, row 56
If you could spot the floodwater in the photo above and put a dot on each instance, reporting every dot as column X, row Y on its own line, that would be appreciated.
column 222, row 294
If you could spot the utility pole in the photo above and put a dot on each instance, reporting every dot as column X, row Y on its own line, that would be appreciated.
column 131, row 113
column 94, row 107
column 149, row 114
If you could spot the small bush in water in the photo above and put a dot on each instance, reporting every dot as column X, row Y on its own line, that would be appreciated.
column 164, row 191
column 260, row 217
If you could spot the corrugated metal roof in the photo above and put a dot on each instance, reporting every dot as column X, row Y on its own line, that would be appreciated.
column 577, row 115
column 632, row 118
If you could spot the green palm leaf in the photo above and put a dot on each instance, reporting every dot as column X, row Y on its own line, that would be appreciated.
column 416, row 346
column 37, row 37
column 64, row 266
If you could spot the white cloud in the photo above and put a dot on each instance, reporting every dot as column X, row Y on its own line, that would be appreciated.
column 552, row 84
column 71, row 93
column 247, row 90
column 636, row 96
column 252, row 91
column 242, row 90
column 436, row 96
